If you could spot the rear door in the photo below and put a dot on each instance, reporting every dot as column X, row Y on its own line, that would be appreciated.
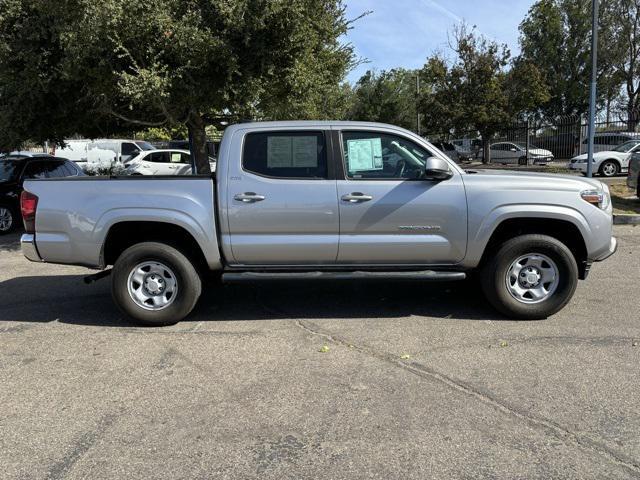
column 282, row 205
column 388, row 214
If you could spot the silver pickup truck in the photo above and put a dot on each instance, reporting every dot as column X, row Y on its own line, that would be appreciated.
column 307, row 200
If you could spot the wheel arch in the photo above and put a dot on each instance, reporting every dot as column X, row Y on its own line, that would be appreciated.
column 561, row 229
column 125, row 234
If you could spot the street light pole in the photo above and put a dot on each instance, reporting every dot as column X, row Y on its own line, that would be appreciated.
column 418, row 103
column 592, row 93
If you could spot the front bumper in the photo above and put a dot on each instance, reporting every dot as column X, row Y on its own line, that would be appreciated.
column 613, row 246
column 580, row 167
column 28, row 245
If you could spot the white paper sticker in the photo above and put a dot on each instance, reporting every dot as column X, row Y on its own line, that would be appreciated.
column 305, row 152
column 279, row 152
column 365, row 154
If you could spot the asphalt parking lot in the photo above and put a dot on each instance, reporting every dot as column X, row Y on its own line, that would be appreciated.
column 319, row 380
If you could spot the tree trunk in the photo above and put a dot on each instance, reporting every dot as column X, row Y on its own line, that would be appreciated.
column 633, row 116
column 486, row 151
column 198, row 137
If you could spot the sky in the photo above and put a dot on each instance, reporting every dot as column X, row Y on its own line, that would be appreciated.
column 403, row 33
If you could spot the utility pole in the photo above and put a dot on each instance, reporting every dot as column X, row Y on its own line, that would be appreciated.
column 418, row 103
column 592, row 96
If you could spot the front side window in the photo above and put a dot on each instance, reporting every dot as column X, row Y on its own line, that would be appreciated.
column 286, row 154
column 130, row 149
column 627, row 146
column 370, row 155
column 158, row 157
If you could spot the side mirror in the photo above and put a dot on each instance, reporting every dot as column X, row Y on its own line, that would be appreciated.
column 437, row 169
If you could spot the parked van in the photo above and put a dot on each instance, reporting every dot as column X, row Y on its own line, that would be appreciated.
column 103, row 151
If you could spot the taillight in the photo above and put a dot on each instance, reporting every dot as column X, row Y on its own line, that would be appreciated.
column 28, row 206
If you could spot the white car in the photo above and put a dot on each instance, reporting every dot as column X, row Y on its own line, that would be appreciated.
column 514, row 152
column 609, row 162
column 162, row 162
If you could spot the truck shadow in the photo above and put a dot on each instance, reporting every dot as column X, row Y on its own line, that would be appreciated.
column 67, row 299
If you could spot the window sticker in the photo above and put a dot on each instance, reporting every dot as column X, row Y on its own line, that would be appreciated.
column 292, row 152
column 305, row 152
column 279, row 152
column 364, row 154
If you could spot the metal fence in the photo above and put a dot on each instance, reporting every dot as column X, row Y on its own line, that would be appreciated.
column 530, row 142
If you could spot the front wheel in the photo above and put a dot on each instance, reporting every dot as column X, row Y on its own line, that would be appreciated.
column 530, row 277
column 155, row 284
column 609, row 168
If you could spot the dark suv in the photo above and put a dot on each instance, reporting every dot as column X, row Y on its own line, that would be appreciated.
column 15, row 169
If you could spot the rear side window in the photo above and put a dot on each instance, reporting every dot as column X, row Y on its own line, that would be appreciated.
column 42, row 169
column 286, row 154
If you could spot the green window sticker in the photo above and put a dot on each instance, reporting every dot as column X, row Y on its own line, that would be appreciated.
column 364, row 154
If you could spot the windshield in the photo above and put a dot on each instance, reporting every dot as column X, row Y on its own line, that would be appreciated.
column 626, row 146
column 145, row 146
column 8, row 170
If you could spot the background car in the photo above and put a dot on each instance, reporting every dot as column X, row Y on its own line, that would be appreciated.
column 162, row 162
column 516, row 152
column 606, row 141
column 609, row 162
column 633, row 177
column 17, row 167
column 103, row 151
column 449, row 150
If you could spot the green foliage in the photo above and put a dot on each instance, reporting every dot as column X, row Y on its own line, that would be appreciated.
column 102, row 66
column 476, row 92
column 556, row 37
column 387, row 97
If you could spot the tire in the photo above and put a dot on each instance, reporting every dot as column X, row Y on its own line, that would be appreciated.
column 544, row 255
column 609, row 168
column 8, row 219
column 160, row 274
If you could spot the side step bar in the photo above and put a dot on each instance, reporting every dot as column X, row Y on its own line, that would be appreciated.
column 422, row 275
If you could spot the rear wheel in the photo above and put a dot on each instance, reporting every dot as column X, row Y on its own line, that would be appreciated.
column 530, row 277
column 8, row 219
column 155, row 284
column 609, row 168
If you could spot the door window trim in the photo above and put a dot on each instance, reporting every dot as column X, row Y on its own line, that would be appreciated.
column 315, row 131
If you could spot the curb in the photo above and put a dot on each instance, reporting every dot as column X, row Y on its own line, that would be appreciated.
column 626, row 219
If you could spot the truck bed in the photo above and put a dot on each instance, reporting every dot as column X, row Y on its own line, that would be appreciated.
column 75, row 214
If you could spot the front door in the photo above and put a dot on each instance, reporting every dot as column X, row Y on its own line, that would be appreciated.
column 388, row 214
column 282, row 206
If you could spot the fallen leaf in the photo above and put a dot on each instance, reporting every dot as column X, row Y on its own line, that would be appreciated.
column 406, row 356
column 324, row 349
column 503, row 343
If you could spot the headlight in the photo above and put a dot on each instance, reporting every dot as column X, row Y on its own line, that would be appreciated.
column 596, row 198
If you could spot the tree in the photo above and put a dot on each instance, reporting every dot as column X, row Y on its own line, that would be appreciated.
column 387, row 97
column 81, row 66
column 475, row 91
column 625, row 56
column 555, row 36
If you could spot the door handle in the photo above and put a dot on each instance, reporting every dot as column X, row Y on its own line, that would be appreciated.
column 356, row 197
column 249, row 197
